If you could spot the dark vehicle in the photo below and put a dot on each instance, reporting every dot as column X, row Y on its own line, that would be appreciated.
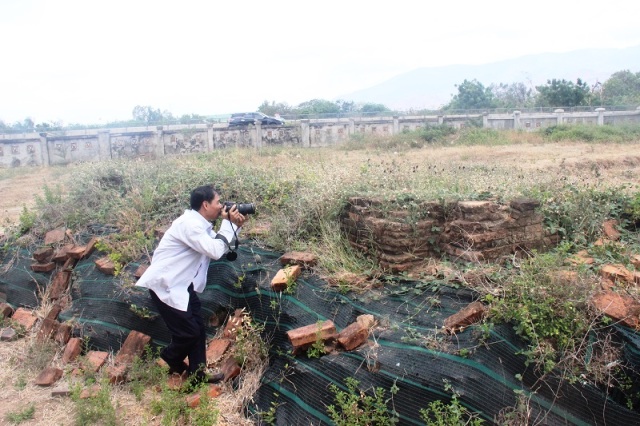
column 244, row 118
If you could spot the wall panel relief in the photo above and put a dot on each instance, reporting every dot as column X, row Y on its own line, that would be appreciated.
column 185, row 143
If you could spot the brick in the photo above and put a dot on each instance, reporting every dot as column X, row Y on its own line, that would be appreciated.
column 43, row 255
column 230, row 368
column 216, row 349
column 90, row 247
column 303, row 259
column 353, row 336
column 366, row 321
column 524, row 204
column 5, row 310
column 96, row 359
column 90, row 392
column 63, row 334
column 76, row 252
column 618, row 307
column 309, row 333
column 132, row 347
column 48, row 329
column 616, row 273
column 43, row 267
column 284, row 276
column 212, row 392
column 55, row 236
column 470, row 314
column 61, row 280
column 141, row 270
column 62, row 254
column 61, row 391
column 8, row 334
column 233, row 325
column 610, row 231
column 25, row 318
column 48, row 376
column 117, row 373
column 105, row 265
column 635, row 261
column 581, row 258
column 72, row 350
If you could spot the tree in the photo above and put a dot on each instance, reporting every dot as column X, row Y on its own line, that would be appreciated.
column 563, row 93
column 274, row 108
column 622, row 88
column 471, row 95
column 371, row 108
column 318, row 106
column 514, row 95
column 149, row 115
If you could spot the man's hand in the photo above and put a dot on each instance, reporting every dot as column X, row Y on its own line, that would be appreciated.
column 234, row 216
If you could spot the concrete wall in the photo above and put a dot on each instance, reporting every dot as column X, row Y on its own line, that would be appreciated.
column 73, row 146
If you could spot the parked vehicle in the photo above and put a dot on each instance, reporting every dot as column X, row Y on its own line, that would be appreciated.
column 244, row 118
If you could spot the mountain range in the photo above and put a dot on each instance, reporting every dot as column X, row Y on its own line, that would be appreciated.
column 432, row 87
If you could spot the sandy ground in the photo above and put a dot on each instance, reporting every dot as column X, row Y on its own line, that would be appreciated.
column 18, row 188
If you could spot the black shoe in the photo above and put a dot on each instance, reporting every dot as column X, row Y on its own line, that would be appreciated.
column 175, row 368
column 215, row 378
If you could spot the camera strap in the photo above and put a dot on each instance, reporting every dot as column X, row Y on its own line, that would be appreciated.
column 232, row 253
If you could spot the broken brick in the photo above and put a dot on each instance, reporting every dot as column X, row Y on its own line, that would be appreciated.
column 230, row 368
column 132, row 347
column 43, row 255
column 353, row 336
column 234, row 324
column 61, row 390
column 618, row 307
column 310, row 333
column 63, row 334
column 96, row 359
column 141, row 269
column 90, row 247
column 285, row 276
column 616, row 273
column 470, row 314
column 25, row 318
column 5, row 310
column 106, row 265
column 61, row 280
column 48, row 376
column 216, row 349
column 212, row 392
column 62, row 254
column 90, row 392
column 117, row 373
column 43, row 267
column 72, row 350
column 610, row 231
column 76, row 252
column 8, row 334
column 55, row 236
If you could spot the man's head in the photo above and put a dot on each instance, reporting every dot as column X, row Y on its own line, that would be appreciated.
column 206, row 201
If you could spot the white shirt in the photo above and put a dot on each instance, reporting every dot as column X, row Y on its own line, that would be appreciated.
column 183, row 257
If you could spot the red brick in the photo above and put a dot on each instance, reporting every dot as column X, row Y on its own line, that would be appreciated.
column 635, row 261
column 25, row 318
column 5, row 310
column 581, row 258
column 194, row 400
column 63, row 334
column 90, row 392
column 310, row 333
column 60, row 281
column 618, row 307
column 43, row 255
column 230, row 368
column 72, row 350
column 48, row 376
column 117, row 373
column 43, row 267
column 285, row 276
column 95, row 360
column 353, row 336
column 610, row 231
column 132, row 347
column 467, row 316
column 7, row 334
column 61, row 390
column 48, row 328
column 76, row 252
column 90, row 247
column 105, row 265
column 62, row 254
column 55, row 236
column 616, row 273
column 141, row 269
column 216, row 349
column 303, row 259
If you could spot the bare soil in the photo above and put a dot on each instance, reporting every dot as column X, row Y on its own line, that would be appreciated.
column 18, row 188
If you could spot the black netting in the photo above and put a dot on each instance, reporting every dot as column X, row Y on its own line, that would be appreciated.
column 485, row 370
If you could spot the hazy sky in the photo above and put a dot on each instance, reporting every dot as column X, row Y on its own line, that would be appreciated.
column 90, row 62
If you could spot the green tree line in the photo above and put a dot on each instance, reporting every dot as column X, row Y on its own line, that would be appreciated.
column 621, row 89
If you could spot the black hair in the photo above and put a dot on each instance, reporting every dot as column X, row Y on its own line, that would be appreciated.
column 201, row 194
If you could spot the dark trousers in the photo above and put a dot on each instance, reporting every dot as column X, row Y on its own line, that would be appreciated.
column 188, row 336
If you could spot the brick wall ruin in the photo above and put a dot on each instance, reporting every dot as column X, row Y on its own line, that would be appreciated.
column 474, row 231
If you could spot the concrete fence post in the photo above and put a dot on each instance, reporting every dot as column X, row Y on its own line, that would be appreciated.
column 485, row 120
column 104, row 145
column 560, row 113
column 441, row 120
column 44, row 150
column 258, row 134
column 304, row 133
column 210, row 144
column 396, row 125
column 352, row 127
column 516, row 120
column 159, row 142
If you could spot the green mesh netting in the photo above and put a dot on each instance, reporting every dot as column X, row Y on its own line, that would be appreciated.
column 487, row 375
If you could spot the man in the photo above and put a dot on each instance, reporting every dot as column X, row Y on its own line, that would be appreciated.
column 178, row 271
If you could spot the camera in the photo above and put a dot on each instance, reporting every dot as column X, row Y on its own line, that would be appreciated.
column 243, row 208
